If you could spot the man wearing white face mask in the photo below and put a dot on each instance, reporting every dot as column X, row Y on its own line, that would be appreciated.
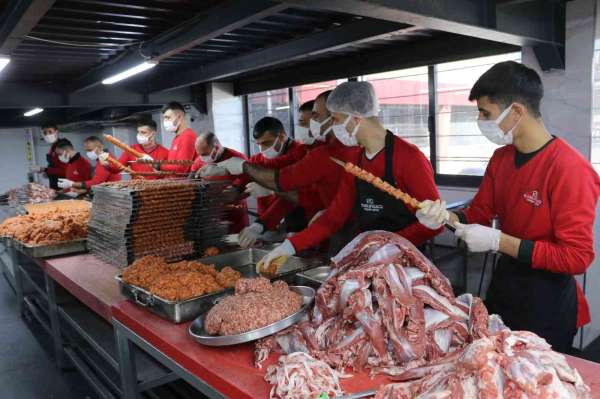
column 357, row 204
column 544, row 194
column 56, row 169
column 94, row 148
column 182, row 147
column 146, row 143
column 302, row 129
column 78, row 169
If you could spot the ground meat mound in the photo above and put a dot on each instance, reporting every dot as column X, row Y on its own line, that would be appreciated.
column 256, row 304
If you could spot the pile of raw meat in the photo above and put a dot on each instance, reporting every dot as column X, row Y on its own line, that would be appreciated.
column 256, row 303
column 30, row 193
column 387, row 309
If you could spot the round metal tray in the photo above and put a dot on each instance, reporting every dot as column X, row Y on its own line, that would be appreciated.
column 198, row 332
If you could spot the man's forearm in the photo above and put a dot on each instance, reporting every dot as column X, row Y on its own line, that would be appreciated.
column 291, row 196
column 263, row 176
column 509, row 245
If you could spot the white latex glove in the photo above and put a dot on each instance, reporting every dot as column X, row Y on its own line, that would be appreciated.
column 286, row 249
column 432, row 214
column 235, row 166
column 147, row 157
column 478, row 238
column 249, row 235
column 36, row 169
column 103, row 158
column 256, row 190
column 211, row 169
column 65, row 183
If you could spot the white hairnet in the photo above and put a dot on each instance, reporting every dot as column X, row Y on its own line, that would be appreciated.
column 354, row 98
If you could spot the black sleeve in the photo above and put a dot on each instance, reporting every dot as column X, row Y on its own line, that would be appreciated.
column 525, row 254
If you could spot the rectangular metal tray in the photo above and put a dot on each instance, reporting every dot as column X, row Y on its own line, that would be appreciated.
column 50, row 250
column 243, row 261
column 317, row 274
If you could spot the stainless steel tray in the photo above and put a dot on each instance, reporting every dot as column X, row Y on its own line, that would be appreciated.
column 49, row 250
column 243, row 261
column 198, row 332
column 318, row 274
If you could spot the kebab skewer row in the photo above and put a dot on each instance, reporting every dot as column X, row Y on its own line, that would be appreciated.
column 383, row 186
column 123, row 146
column 184, row 162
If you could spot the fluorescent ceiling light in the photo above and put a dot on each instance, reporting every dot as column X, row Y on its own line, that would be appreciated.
column 282, row 108
column 144, row 66
column 34, row 111
column 3, row 62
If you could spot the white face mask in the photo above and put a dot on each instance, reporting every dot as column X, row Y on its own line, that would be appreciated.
column 315, row 128
column 51, row 138
column 64, row 158
column 492, row 131
column 271, row 152
column 169, row 126
column 216, row 152
column 346, row 138
column 92, row 155
column 303, row 135
column 143, row 139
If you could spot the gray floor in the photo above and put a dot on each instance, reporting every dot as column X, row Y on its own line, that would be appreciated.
column 27, row 368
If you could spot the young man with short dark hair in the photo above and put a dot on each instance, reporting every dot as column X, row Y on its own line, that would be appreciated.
column 78, row 168
column 182, row 147
column 55, row 169
column 544, row 194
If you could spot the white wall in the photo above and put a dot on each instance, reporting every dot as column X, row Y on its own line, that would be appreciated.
column 227, row 115
column 196, row 120
column 14, row 162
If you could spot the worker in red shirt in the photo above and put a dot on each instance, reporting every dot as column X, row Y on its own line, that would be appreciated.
column 544, row 194
column 302, row 129
column 210, row 151
column 182, row 147
column 357, row 204
column 146, row 143
column 78, row 168
column 55, row 169
column 310, row 182
column 94, row 148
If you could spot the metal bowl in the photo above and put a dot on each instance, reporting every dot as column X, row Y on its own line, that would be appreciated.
column 198, row 332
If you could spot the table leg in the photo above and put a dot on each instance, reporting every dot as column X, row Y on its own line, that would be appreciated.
column 14, row 259
column 54, row 322
column 126, row 364
column 465, row 268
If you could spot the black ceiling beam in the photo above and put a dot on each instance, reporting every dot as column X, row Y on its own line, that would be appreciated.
column 520, row 24
column 18, row 19
column 28, row 95
column 215, row 21
column 338, row 37
column 443, row 48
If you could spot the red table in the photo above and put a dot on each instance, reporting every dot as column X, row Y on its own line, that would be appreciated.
column 230, row 370
column 87, row 278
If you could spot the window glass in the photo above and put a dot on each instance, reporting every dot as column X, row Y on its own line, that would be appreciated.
column 273, row 103
column 596, row 109
column 404, row 103
column 461, row 149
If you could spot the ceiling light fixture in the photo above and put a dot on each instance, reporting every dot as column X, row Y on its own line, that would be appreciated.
column 3, row 62
column 34, row 111
column 144, row 66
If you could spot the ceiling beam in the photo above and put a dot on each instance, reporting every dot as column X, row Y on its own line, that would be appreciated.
column 338, row 37
column 18, row 19
column 444, row 48
column 215, row 21
column 521, row 23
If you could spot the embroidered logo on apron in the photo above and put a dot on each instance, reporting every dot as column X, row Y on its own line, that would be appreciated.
column 533, row 197
column 370, row 206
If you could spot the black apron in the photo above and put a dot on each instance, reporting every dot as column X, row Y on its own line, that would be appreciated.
column 536, row 300
column 374, row 209
column 52, row 179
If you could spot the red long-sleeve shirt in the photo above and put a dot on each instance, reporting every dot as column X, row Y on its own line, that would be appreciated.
column 158, row 153
column 102, row 174
column 56, row 167
column 413, row 175
column 78, row 169
column 550, row 200
column 182, row 148
column 294, row 151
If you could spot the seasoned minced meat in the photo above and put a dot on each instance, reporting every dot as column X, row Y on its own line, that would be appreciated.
column 228, row 277
column 248, row 310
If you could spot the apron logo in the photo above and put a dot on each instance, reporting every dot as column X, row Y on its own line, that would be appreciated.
column 76, row 173
column 533, row 197
column 370, row 206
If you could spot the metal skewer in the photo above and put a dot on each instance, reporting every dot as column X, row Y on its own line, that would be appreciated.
column 419, row 204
